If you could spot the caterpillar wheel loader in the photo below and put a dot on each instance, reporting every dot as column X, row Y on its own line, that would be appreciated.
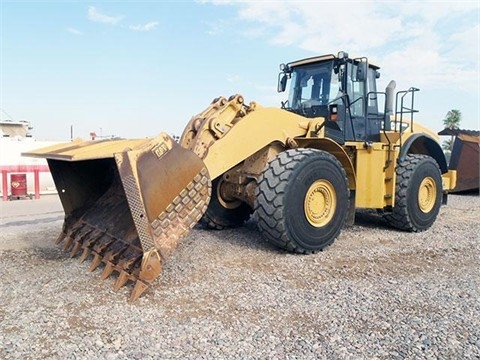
column 300, row 171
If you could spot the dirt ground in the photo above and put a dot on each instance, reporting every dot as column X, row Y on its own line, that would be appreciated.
column 375, row 293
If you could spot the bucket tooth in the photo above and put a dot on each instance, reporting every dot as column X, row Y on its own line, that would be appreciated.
column 114, row 252
column 92, row 237
column 101, row 246
column 97, row 259
column 130, row 264
column 85, row 254
column 150, row 268
column 138, row 290
column 130, row 259
column 68, row 243
column 89, row 239
column 82, row 236
column 121, row 280
column 77, row 246
column 60, row 238
column 111, row 260
column 70, row 234
column 107, row 271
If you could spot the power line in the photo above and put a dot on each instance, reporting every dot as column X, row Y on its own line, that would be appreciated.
column 8, row 115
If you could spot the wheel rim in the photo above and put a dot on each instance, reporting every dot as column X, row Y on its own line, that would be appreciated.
column 427, row 195
column 320, row 203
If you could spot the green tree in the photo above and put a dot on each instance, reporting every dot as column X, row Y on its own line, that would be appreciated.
column 452, row 122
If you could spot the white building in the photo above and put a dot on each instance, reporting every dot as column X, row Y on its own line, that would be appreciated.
column 15, row 138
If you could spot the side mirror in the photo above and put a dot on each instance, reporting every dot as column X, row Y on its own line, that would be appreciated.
column 362, row 69
column 282, row 82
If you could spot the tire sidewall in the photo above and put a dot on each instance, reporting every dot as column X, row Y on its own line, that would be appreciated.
column 315, row 167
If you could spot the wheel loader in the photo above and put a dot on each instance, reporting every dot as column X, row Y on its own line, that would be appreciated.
column 298, row 171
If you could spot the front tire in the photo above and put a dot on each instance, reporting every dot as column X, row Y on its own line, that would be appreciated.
column 418, row 194
column 302, row 200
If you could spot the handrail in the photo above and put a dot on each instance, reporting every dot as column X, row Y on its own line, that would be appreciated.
column 404, row 110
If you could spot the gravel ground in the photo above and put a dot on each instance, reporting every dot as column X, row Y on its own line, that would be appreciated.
column 376, row 293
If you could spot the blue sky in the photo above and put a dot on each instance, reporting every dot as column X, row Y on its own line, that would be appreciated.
column 133, row 69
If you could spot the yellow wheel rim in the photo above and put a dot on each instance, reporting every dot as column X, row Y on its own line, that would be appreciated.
column 427, row 195
column 320, row 203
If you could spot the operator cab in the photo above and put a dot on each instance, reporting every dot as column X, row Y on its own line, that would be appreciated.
column 340, row 89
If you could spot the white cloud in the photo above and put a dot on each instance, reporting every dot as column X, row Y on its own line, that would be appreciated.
column 215, row 2
column 95, row 15
column 430, row 44
column 145, row 27
column 234, row 78
column 74, row 31
column 316, row 26
column 216, row 27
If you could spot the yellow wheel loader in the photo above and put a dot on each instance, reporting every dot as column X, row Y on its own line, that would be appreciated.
column 301, row 170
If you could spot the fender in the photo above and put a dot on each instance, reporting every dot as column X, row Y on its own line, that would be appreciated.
column 426, row 145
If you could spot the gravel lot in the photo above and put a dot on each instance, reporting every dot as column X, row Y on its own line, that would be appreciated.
column 376, row 293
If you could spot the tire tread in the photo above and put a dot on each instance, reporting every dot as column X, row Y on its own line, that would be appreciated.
column 400, row 217
column 270, row 193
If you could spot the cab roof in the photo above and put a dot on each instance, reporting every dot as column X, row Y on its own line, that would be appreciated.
column 321, row 58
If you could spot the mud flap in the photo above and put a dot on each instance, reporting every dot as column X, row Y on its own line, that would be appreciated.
column 129, row 211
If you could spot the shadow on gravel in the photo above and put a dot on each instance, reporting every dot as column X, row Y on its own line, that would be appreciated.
column 475, row 192
column 32, row 222
column 246, row 236
column 50, row 254
column 369, row 219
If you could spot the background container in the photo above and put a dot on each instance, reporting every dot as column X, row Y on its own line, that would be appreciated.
column 18, row 184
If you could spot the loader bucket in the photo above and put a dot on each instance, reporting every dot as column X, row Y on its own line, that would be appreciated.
column 127, row 203
column 465, row 159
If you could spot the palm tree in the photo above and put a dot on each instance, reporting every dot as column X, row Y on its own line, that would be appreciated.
column 447, row 145
column 452, row 122
column 452, row 119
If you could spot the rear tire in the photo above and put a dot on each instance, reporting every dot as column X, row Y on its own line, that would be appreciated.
column 418, row 194
column 302, row 200
column 223, row 213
